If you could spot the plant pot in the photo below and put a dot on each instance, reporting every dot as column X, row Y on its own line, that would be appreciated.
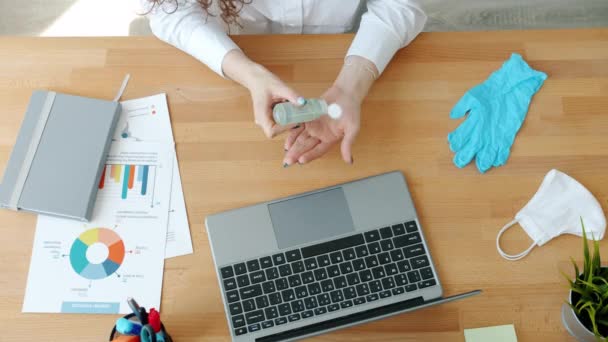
column 574, row 325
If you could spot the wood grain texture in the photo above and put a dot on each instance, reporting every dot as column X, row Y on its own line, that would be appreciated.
column 226, row 162
column 33, row 17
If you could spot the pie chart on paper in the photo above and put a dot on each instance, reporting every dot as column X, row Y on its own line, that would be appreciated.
column 97, row 253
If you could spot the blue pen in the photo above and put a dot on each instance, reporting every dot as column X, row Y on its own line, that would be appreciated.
column 127, row 327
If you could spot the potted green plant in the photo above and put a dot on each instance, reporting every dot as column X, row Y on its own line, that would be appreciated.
column 585, row 315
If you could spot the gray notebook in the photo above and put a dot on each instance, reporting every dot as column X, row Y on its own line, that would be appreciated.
column 56, row 163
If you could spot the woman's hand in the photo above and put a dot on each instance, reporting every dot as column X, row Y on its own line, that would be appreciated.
column 266, row 89
column 313, row 139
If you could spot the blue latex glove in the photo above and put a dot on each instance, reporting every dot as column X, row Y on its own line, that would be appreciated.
column 497, row 109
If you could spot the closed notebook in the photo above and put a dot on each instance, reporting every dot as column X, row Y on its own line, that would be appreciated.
column 57, row 160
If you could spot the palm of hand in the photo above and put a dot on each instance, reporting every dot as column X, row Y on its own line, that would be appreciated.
column 313, row 139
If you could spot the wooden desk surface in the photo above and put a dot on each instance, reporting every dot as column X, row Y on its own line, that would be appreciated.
column 226, row 162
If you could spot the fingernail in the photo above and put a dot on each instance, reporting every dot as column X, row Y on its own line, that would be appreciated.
column 285, row 165
column 296, row 127
column 301, row 101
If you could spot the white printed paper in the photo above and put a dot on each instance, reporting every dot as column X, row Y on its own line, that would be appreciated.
column 93, row 267
column 147, row 119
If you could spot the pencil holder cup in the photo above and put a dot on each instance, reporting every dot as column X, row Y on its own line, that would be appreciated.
column 161, row 336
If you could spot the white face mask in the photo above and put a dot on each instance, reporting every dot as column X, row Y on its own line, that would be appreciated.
column 557, row 208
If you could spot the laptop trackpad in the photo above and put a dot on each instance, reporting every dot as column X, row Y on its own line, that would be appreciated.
column 311, row 218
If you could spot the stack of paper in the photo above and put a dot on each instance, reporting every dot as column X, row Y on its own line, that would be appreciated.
column 139, row 219
column 147, row 119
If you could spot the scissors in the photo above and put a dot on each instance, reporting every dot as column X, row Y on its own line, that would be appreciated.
column 139, row 312
column 147, row 334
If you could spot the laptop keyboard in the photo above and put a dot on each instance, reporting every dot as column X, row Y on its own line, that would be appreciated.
column 326, row 277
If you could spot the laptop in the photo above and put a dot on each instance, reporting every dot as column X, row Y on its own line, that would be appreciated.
column 323, row 260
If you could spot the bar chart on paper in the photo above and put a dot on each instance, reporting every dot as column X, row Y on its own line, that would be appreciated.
column 133, row 183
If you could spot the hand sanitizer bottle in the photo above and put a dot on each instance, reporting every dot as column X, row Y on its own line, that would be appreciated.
column 286, row 113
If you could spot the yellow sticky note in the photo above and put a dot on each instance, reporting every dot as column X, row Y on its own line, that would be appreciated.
column 499, row 333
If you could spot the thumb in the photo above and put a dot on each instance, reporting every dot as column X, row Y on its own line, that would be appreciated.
column 287, row 93
column 463, row 106
column 263, row 118
column 346, row 146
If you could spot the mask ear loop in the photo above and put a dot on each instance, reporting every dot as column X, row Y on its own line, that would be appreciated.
column 509, row 256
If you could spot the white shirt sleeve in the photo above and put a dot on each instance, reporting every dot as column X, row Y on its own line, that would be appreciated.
column 190, row 29
column 387, row 26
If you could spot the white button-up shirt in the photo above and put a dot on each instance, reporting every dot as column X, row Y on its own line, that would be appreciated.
column 382, row 26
